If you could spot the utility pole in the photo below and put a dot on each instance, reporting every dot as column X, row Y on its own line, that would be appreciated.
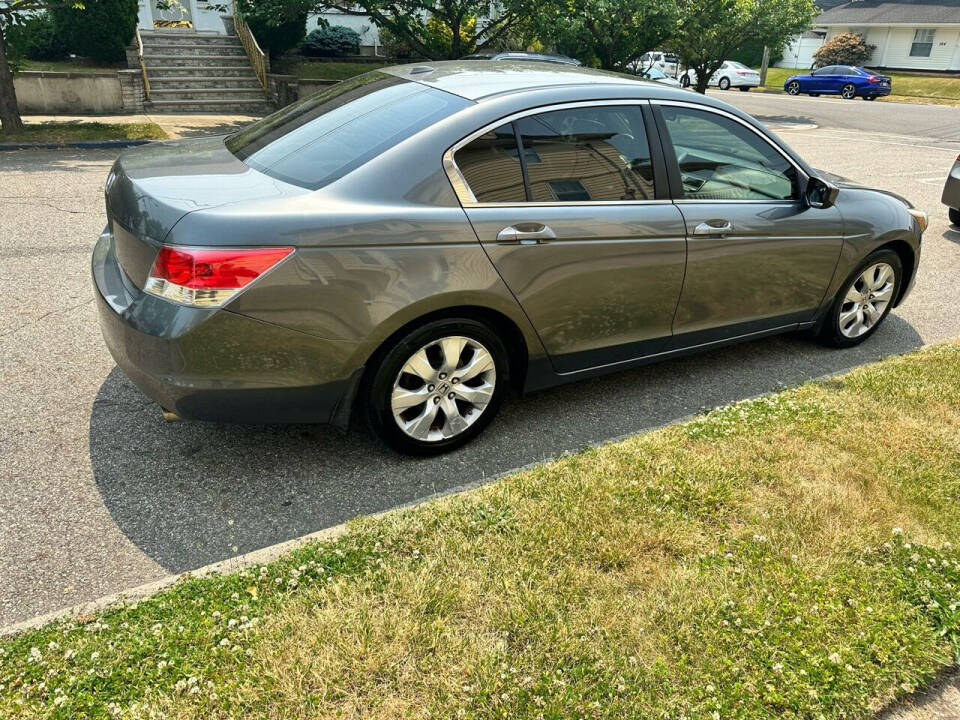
column 764, row 64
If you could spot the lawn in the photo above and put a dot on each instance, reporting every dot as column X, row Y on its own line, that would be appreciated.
column 784, row 557
column 58, row 132
column 906, row 85
column 335, row 70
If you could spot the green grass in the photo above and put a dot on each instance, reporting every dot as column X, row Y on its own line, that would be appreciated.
column 902, row 85
column 78, row 131
column 335, row 70
column 78, row 65
column 785, row 557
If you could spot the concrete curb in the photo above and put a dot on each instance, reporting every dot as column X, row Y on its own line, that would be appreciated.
column 77, row 144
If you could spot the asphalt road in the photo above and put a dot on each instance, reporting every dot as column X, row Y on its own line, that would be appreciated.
column 98, row 494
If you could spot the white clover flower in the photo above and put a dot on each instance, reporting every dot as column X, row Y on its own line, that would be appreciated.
column 778, row 668
column 35, row 655
column 94, row 655
column 231, row 622
column 835, row 658
column 224, row 642
column 898, row 531
column 59, row 700
column 710, row 689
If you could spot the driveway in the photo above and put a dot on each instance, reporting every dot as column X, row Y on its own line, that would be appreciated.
column 98, row 494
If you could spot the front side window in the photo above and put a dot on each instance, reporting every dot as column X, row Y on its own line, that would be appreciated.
column 327, row 135
column 576, row 155
column 922, row 42
column 721, row 159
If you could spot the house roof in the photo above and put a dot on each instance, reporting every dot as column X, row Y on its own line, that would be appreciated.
column 880, row 12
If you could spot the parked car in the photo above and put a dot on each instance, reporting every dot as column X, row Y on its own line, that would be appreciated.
column 406, row 245
column 731, row 74
column 847, row 81
column 951, row 193
column 664, row 60
column 523, row 55
column 657, row 75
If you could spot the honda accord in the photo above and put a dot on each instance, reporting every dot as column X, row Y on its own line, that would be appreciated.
column 407, row 245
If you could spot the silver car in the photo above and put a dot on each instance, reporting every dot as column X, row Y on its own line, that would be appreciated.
column 406, row 246
column 951, row 193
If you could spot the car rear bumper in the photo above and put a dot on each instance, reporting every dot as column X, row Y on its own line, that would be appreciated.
column 951, row 189
column 876, row 91
column 745, row 82
column 213, row 364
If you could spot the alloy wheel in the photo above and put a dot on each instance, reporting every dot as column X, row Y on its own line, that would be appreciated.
column 443, row 388
column 849, row 92
column 866, row 300
column 793, row 88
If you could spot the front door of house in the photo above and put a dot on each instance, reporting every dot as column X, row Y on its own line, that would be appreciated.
column 172, row 13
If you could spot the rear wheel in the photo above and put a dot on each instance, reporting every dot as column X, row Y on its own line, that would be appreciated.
column 954, row 216
column 793, row 88
column 814, row 94
column 724, row 83
column 870, row 97
column 744, row 88
column 848, row 92
column 864, row 300
column 438, row 387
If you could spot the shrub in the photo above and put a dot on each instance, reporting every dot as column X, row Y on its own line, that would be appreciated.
column 101, row 29
column 273, row 25
column 335, row 41
column 36, row 39
column 395, row 46
column 843, row 49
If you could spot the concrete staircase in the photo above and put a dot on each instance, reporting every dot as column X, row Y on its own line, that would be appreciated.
column 194, row 72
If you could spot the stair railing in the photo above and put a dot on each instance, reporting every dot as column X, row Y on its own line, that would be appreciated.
column 257, row 59
column 143, row 66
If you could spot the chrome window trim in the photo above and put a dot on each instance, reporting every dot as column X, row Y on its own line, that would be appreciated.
column 802, row 176
column 468, row 199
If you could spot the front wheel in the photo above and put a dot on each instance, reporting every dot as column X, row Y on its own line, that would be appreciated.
column 864, row 300
column 724, row 83
column 848, row 92
column 793, row 88
column 438, row 387
column 954, row 216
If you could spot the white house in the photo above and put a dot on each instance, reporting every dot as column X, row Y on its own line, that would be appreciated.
column 908, row 34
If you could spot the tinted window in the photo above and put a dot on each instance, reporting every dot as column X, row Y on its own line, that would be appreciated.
column 491, row 166
column 720, row 159
column 585, row 154
column 321, row 138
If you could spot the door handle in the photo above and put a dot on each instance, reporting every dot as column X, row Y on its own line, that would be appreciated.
column 525, row 234
column 714, row 227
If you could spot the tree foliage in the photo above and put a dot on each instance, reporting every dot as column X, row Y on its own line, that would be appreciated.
column 334, row 41
column 99, row 29
column 711, row 31
column 278, row 25
column 440, row 29
column 608, row 33
column 843, row 49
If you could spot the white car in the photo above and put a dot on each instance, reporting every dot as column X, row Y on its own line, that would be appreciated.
column 665, row 61
column 731, row 74
column 657, row 75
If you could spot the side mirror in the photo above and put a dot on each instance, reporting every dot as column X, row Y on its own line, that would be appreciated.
column 821, row 194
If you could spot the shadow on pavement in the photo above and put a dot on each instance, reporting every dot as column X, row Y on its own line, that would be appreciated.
column 192, row 493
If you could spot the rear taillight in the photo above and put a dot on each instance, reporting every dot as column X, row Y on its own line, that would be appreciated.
column 208, row 278
column 873, row 79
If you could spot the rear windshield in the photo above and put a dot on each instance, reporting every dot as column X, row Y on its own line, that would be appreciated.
column 327, row 135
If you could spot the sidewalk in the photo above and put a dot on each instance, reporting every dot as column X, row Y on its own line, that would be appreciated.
column 939, row 702
column 176, row 125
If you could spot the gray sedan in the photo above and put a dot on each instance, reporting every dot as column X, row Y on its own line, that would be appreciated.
column 408, row 245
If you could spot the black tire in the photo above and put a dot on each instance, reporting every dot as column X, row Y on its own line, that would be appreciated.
column 685, row 80
column 870, row 97
column 378, row 387
column 814, row 94
column 724, row 83
column 954, row 216
column 830, row 333
column 744, row 88
column 793, row 88
column 848, row 91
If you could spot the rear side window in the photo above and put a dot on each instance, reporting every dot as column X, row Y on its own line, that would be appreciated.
column 577, row 155
column 322, row 138
column 720, row 159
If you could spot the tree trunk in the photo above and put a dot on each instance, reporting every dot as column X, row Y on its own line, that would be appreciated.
column 9, row 112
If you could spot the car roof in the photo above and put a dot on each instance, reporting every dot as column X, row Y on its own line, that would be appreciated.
column 476, row 81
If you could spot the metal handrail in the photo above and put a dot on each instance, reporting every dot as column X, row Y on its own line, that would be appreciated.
column 257, row 58
column 143, row 66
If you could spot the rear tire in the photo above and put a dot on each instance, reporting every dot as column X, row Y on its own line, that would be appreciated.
column 814, row 94
column 744, row 88
column 870, row 97
column 863, row 301
column 724, row 83
column 954, row 216
column 416, row 401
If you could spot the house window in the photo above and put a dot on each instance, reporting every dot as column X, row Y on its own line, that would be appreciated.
column 922, row 42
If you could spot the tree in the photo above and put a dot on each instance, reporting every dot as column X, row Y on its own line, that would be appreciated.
column 438, row 29
column 710, row 31
column 278, row 25
column 12, row 13
column 612, row 32
column 99, row 29
column 843, row 49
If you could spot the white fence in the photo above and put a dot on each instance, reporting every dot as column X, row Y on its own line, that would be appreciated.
column 799, row 52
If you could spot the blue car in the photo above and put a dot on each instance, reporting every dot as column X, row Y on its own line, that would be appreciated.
column 846, row 81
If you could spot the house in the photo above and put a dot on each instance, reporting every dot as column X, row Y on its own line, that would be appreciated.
column 908, row 34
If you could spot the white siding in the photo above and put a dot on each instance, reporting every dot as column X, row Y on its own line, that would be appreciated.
column 893, row 46
column 798, row 52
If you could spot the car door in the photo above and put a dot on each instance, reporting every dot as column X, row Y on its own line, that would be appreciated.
column 573, row 210
column 819, row 80
column 758, row 257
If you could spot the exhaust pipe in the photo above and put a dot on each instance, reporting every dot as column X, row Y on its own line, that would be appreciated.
column 170, row 416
